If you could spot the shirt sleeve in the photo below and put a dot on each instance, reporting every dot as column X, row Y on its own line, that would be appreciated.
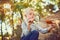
column 24, row 29
column 42, row 30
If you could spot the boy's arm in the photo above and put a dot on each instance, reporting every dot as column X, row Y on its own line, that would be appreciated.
column 44, row 30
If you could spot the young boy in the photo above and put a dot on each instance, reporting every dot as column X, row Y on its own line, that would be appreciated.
column 30, row 31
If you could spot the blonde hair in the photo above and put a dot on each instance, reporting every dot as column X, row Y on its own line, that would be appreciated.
column 27, row 10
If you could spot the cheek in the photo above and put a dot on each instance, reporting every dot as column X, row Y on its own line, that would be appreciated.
column 28, row 16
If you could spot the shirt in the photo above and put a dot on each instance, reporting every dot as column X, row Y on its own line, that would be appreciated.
column 33, row 27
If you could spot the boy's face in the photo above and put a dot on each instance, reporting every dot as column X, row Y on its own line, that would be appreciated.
column 30, row 16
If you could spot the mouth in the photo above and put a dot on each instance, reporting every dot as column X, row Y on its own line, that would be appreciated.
column 30, row 21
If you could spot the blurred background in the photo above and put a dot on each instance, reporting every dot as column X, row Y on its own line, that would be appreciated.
column 12, row 14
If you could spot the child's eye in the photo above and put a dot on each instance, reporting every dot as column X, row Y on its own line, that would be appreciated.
column 30, row 13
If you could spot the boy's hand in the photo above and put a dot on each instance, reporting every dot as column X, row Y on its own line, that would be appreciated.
column 53, row 25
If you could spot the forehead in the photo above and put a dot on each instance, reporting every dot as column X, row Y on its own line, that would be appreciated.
column 30, row 12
